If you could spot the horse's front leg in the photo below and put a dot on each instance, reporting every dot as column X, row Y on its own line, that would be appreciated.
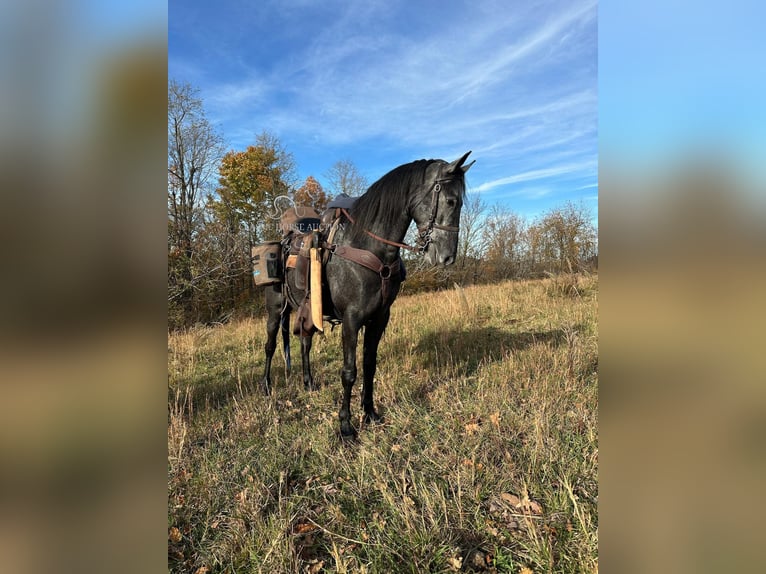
column 372, row 334
column 348, row 375
column 308, row 380
column 285, row 326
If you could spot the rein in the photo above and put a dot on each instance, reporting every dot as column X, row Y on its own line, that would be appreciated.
column 381, row 239
column 424, row 236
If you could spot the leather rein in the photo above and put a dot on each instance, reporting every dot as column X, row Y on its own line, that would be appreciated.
column 371, row 261
column 424, row 232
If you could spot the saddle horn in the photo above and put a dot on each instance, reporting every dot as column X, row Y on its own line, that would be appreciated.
column 458, row 163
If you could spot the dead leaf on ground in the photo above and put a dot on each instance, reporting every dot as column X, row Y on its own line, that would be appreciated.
column 202, row 570
column 525, row 504
column 511, row 499
column 535, row 507
column 526, row 570
column 471, row 428
column 495, row 508
column 303, row 528
column 315, row 567
column 495, row 419
column 329, row 489
column 174, row 535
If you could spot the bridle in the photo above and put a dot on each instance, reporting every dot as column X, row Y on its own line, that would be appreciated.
column 424, row 232
column 424, row 235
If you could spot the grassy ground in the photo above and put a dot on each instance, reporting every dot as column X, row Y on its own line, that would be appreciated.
column 486, row 461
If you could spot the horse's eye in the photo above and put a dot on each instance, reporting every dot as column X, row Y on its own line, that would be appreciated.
column 451, row 202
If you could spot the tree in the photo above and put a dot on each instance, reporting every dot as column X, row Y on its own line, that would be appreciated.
column 469, row 241
column 563, row 239
column 194, row 148
column 502, row 239
column 251, row 183
column 344, row 177
column 311, row 194
column 243, row 210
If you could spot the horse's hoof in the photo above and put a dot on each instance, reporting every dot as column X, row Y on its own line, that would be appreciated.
column 310, row 385
column 373, row 418
column 347, row 432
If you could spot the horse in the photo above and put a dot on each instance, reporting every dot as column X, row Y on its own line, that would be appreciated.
column 363, row 273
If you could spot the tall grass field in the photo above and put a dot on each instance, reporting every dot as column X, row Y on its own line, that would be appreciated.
column 486, row 460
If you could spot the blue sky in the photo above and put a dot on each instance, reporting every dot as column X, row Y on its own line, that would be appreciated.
column 386, row 82
column 690, row 82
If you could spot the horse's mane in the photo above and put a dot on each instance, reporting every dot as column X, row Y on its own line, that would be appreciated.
column 384, row 200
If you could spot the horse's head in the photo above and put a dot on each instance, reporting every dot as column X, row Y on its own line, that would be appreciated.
column 437, row 211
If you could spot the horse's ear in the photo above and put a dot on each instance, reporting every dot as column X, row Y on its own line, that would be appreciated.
column 452, row 167
column 465, row 168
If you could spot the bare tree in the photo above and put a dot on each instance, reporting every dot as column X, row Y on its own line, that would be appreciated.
column 471, row 219
column 502, row 240
column 344, row 177
column 563, row 239
column 194, row 149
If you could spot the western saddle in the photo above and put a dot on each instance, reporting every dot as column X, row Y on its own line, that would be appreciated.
column 304, row 229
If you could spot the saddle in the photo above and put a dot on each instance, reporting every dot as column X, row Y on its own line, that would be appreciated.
column 301, row 228
column 298, row 235
column 297, row 249
column 308, row 252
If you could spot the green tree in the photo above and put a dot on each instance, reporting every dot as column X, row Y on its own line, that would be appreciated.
column 311, row 194
column 251, row 184
column 245, row 206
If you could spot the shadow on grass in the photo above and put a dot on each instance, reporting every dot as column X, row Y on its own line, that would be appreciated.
column 215, row 388
column 442, row 353
column 462, row 351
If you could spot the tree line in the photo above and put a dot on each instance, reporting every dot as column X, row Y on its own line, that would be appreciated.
column 221, row 203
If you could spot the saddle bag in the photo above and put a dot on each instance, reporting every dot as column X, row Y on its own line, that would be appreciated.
column 267, row 269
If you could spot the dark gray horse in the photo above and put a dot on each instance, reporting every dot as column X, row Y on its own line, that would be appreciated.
column 364, row 271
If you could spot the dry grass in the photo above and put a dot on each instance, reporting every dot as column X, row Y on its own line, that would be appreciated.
column 487, row 459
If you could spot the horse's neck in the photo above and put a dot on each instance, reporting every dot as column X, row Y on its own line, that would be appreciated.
column 385, row 252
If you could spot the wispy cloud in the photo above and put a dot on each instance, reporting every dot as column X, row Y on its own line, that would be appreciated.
column 514, row 82
column 534, row 175
column 411, row 88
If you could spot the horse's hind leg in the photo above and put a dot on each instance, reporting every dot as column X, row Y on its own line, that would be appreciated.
column 308, row 380
column 273, row 308
column 372, row 334
column 285, row 326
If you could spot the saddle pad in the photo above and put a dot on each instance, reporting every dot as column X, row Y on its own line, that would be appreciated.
column 343, row 201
